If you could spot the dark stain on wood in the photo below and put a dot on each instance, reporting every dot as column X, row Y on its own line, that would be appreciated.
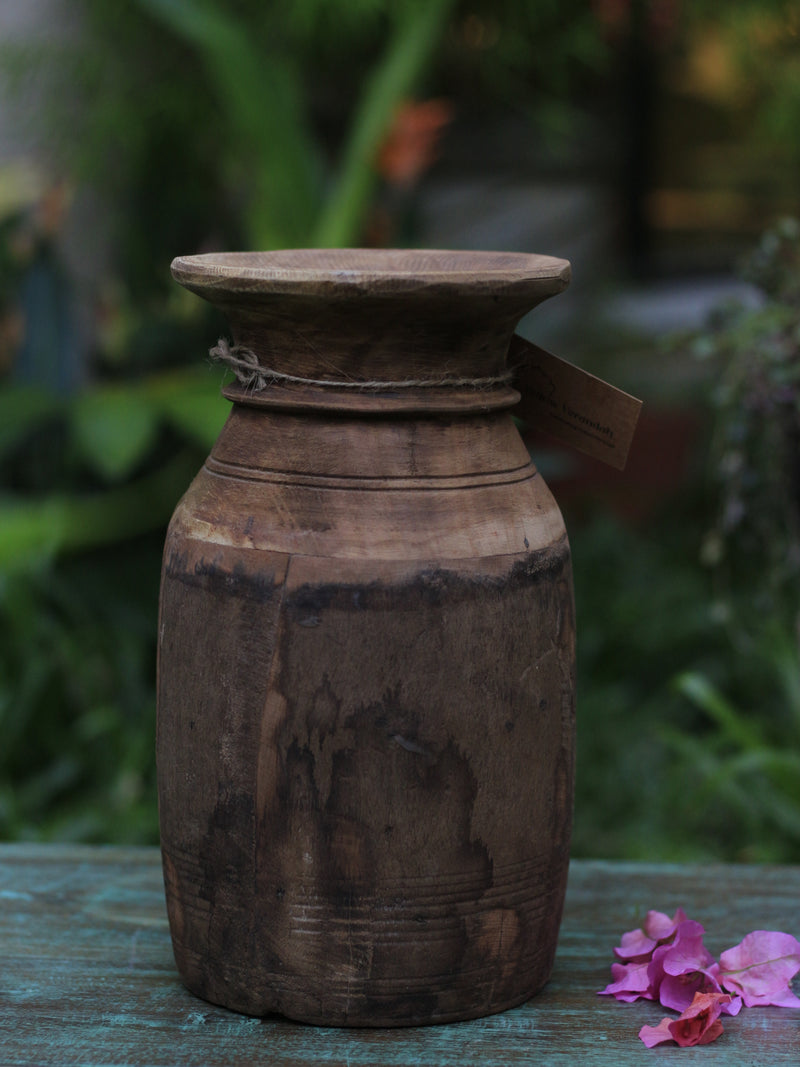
column 296, row 859
column 366, row 689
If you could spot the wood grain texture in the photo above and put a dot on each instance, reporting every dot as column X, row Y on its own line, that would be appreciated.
column 374, row 313
column 87, row 976
column 365, row 727
column 366, row 658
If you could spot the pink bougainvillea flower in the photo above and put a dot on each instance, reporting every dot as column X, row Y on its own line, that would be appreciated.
column 665, row 960
column 656, row 929
column 760, row 969
column 644, row 949
column 698, row 1025
column 680, row 970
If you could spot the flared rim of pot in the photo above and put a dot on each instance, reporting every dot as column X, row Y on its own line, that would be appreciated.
column 384, row 270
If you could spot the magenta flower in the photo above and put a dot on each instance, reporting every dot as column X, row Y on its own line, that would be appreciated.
column 698, row 1025
column 680, row 970
column 670, row 971
column 656, row 929
column 631, row 981
column 760, row 969
column 666, row 960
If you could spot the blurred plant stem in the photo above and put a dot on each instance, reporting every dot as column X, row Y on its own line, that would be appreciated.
column 66, row 522
column 289, row 203
column 753, row 355
column 264, row 110
column 416, row 34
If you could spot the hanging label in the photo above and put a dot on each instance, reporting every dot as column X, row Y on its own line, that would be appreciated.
column 572, row 405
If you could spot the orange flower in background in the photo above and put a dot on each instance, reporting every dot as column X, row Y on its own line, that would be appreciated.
column 52, row 208
column 412, row 142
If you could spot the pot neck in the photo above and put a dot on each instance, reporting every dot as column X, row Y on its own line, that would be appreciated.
column 356, row 330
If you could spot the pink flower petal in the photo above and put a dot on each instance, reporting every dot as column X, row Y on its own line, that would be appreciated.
column 636, row 945
column 761, row 967
column 655, row 1035
column 630, row 982
column 679, row 970
column 698, row 1025
column 660, row 927
column 655, row 970
column 734, row 1007
column 657, row 928
column 687, row 1034
column 678, row 992
column 687, row 952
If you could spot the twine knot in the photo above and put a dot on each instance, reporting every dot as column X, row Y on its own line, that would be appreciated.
column 252, row 375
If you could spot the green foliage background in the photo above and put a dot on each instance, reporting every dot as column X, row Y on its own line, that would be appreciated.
column 249, row 124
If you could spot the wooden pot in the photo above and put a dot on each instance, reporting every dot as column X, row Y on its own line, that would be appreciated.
column 366, row 655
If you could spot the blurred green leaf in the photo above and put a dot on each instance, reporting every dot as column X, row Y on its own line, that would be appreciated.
column 416, row 34
column 199, row 415
column 114, row 428
column 261, row 94
column 734, row 725
column 22, row 410
column 32, row 529
column 191, row 402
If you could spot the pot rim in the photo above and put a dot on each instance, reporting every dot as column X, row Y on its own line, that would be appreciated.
column 373, row 269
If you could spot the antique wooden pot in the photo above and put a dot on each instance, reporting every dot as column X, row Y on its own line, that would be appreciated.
column 366, row 654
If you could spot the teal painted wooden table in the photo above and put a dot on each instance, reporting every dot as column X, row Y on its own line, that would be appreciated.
column 87, row 976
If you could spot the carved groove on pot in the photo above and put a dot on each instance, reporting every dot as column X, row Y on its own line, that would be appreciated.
column 366, row 666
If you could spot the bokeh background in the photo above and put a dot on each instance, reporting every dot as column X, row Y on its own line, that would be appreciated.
column 654, row 143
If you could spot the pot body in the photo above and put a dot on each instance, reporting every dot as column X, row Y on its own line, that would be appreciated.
column 366, row 714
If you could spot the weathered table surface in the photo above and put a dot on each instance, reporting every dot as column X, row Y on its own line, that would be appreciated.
column 87, row 975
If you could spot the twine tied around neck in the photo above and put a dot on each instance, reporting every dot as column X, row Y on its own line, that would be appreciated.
column 252, row 375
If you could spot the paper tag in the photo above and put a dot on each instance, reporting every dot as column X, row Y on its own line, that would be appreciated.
column 572, row 405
